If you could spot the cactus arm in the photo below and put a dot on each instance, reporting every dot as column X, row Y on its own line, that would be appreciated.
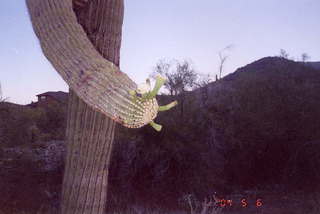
column 146, row 107
column 98, row 82
column 146, row 100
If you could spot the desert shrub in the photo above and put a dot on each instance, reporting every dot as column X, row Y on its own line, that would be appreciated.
column 22, row 124
column 52, row 122
column 16, row 124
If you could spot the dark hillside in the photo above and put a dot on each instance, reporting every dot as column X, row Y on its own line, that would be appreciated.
column 315, row 65
column 269, row 109
column 258, row 127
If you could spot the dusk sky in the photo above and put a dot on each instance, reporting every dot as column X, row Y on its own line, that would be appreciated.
column 181, row 29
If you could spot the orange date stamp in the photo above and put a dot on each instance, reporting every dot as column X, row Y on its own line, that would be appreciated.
column 223, row 203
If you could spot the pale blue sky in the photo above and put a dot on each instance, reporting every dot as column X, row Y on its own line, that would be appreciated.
column 182, row 29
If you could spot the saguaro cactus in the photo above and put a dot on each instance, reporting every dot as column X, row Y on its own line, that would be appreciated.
column 81, row 38
column 96, row 80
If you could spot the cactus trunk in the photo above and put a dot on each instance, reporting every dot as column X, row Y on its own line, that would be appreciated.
column 90, row 133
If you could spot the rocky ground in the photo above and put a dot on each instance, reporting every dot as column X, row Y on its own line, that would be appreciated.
column 31, row 176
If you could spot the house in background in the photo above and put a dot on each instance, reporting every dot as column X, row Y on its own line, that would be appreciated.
column 50, row 97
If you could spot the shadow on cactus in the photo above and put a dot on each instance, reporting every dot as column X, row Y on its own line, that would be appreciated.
column 146, row 106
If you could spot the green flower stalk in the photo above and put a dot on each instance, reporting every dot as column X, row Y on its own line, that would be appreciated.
column 168, row 106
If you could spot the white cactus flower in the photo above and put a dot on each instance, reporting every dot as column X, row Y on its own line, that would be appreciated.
column 144, row 87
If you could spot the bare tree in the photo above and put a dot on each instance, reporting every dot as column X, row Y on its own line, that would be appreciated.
column 180, row 75
column 305, row 57
column 223, row 58
column 185, row 76
column 283, row 54
column 2, row 98
column 203, row 80
column 164, row 68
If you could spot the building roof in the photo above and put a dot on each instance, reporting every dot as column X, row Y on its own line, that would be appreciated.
column 58, row 95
